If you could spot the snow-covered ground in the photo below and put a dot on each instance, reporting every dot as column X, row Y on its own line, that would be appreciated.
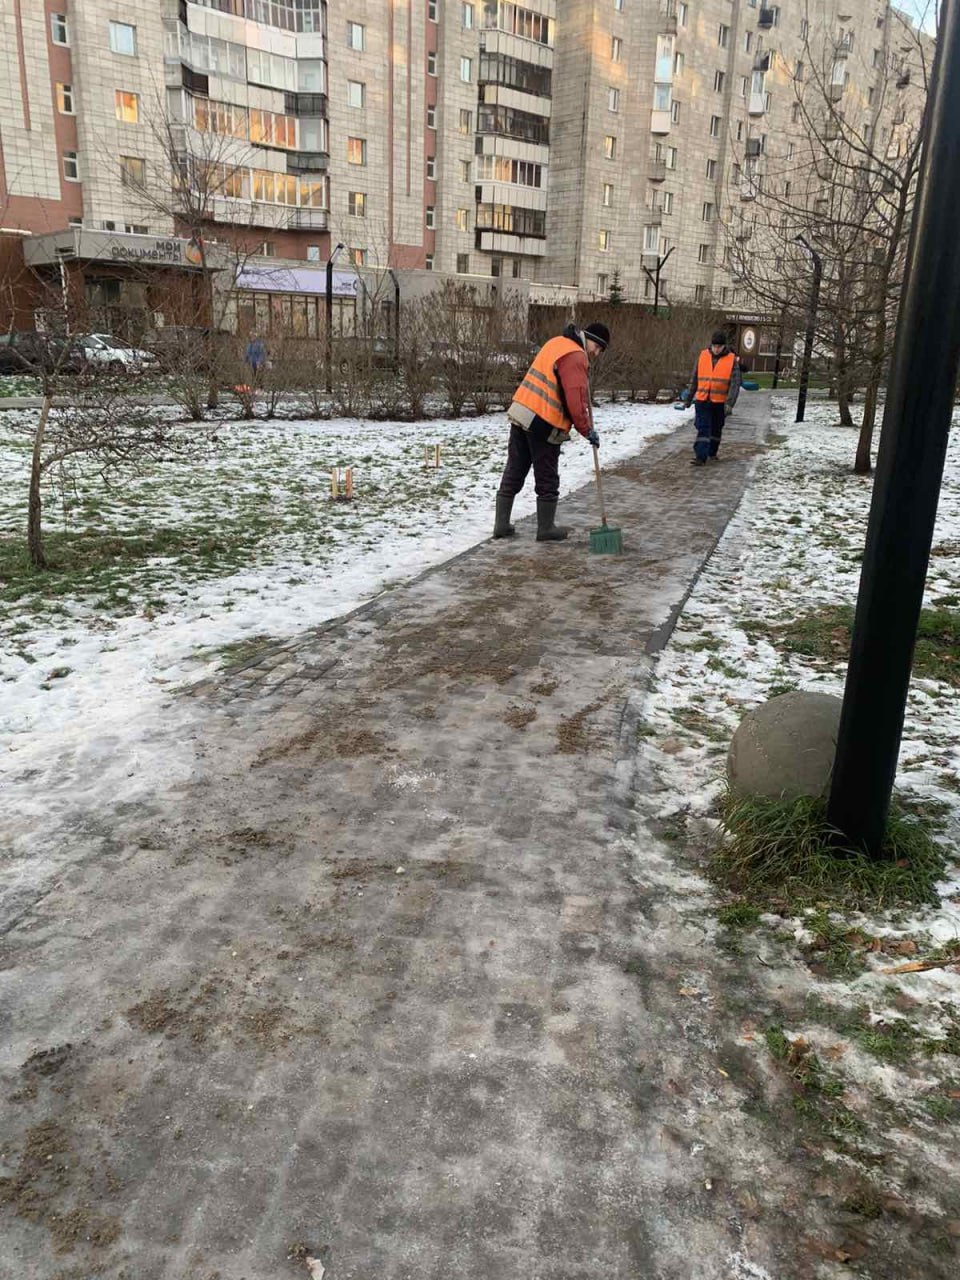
column 793, row 549
column 256, row 549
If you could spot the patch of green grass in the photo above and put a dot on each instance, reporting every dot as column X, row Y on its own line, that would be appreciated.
column 825, row 635
column 725, row 668
column 739, row 915
column 837, row 950
column 784, row 853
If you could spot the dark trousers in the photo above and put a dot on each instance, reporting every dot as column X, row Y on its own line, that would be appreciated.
column 709, row 418
column 530, row 449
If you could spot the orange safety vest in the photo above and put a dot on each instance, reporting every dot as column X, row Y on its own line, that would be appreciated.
column 540, row 389
column 713, row 380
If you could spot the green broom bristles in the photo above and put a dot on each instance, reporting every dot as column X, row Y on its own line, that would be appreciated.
column 607, row 540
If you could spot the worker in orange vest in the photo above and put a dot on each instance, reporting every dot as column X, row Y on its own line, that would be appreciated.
column 553, row 397
column 714, row 387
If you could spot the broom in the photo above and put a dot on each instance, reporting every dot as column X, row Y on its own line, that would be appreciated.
column 608, row 539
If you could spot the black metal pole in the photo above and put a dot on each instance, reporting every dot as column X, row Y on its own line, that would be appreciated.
column 776, row 359
column 656, row 289
column 396, row 320
column 328, row 335
column 328, row 346
column 811, row 327
column 913, row 445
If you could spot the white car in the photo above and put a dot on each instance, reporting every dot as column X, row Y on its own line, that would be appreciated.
column 103, row 350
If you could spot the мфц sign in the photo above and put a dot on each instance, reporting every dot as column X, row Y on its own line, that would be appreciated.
column 175, row 252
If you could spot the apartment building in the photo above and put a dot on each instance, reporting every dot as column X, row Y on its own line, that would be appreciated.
column 565, row 146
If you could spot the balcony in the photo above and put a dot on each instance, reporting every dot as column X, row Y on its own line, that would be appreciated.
column 762, row 61
column 660, row 121
column 657, row 170
column 744, row 234
column 835, row 92
column 308, row 161
column 668, row 18
column 754, row 147
column 653, row 217
column 305, row 104
column 310, row 219
column 765, row 19
column 757, row 104
column 748, row 190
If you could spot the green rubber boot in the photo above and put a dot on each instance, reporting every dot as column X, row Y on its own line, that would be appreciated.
column 502, row 528
column 547, row 531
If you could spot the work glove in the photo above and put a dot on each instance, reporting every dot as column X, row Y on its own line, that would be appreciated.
column 593, row 438
column 685, row 396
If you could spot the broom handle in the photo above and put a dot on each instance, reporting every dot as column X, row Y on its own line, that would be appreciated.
column 596, row 461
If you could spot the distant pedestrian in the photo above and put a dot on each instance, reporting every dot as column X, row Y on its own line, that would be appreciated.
column 256, row 355
column 553, row 397
column 714, row 387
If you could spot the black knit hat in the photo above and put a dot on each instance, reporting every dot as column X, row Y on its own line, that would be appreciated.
column 719, row 338
column 598, row 333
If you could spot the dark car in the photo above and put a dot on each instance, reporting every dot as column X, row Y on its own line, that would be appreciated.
column 183, row 348
column 28, row 352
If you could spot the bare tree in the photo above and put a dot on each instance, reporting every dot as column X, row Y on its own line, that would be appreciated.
column 842, row 186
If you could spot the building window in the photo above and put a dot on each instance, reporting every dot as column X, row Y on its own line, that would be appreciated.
column 431, row 117
column 604, row 241
column 651, row 239
column 430, row 217
column 714, row 126
column 466, row 69
column 675, row 111
column 743, row 86
column 465, row 124
column 65, row 99
column 358, row 257
column 136, row 229
column 708, row 211
column 71, row 166
column 618, row 5
column 666, row 202
column 432, row 14
column 356, row 36
column 431, row 168
column 700, row 293
column 748, row 42
column 616, row 48
column 678, row 64
column 603, row 283
column 711, row 170
column 268, row 249
column 461, row 220
column 804, row 28
column 671, row 155
column 607, row 195
column 356, row 151
column 739, row 130
column 133, row 171
column 610, row 147
column 464, row 170
column 428, row 262
column 126, row 106
column 467, row 17
column 682, row 11
column 613, row 99
column 795, row 113
column 798, row 74
column 356, row 93
column 723, row 36
column 703, row 253
column 357, row 204
column 463, row 264
column 719, row 80
column 661, row 97
column 123, row 39
column 59, row 31
column 313, row 253
column 431, row 64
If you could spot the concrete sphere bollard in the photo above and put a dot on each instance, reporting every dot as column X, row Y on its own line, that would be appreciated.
column 785, row 748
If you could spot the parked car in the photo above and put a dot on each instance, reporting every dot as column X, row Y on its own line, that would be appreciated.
column 28, row 352
column 100, row 350
column 179, row 348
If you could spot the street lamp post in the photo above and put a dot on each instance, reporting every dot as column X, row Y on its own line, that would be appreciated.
column 913, row 446
column 811, row 325
column 328, row 356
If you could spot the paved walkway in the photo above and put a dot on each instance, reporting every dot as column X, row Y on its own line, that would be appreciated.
column 392, row 980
